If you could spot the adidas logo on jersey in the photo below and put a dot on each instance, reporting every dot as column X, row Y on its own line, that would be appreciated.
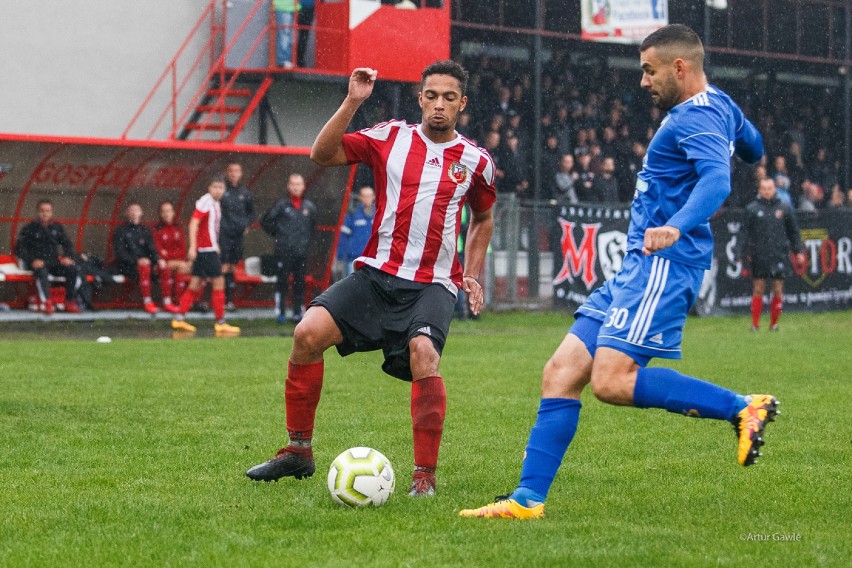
column 434, row 162
column 425, row 330
column 658, row 339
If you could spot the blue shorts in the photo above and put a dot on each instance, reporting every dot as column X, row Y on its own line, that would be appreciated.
column 643, row 309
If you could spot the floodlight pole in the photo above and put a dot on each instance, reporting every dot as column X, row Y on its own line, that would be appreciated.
column 706, row 38
column 847, row 106
column 533, row 265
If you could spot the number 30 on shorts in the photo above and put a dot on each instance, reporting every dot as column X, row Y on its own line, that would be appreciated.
column 617, row 318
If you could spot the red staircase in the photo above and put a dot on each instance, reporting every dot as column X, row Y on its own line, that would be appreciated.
column 225, row 99
column 224, row 112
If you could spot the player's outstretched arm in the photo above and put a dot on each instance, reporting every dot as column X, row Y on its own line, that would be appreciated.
column 476, row 245
column 328, row 146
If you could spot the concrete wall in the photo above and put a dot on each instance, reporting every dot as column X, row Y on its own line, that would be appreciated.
column 83, row 68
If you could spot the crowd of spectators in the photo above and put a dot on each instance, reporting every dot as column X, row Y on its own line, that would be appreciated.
column 597, row 123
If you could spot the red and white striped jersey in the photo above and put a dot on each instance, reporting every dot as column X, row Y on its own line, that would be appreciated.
column 421, row 188
column 209, row 215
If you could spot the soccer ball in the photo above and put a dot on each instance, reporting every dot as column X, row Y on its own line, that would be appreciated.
column 360, row 477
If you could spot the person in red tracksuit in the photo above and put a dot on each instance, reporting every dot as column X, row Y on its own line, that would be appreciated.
column 171, row 246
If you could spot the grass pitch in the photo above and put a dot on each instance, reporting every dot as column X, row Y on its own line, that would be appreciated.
column 133, row 453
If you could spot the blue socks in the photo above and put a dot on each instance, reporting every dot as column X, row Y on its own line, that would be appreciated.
column 672, row 391
column 553, row 431
column 557, row 421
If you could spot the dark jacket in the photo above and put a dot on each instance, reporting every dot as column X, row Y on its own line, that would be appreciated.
column 605, row 189
column 237, row 210
column 769, row 231
column 131, row 242
column 291, row 228
column 37, row 242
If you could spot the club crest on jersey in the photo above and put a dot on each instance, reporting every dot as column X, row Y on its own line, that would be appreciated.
column 457, row 172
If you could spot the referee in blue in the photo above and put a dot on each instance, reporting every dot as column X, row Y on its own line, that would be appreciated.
column 639, row 314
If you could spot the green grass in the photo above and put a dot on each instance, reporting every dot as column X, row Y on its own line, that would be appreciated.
column 133, row 454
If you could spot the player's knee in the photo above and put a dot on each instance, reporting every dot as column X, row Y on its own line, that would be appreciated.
column 610, row 386
column 553, row 378
column 307, row 337
column 423, row 356
column 563, row 378
column 603, row 389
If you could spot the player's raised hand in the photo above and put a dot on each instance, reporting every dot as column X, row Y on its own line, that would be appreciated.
column 475, row 296
column 658, row 238
column 361, row 83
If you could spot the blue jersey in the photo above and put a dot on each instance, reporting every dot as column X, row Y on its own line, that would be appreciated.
column 686, row 173
column 354, row 234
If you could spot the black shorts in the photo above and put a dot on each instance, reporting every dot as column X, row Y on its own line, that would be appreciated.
column 375, row 310
column 207, row 265
column 231, row 248
column 128, row 270
column 770, row 268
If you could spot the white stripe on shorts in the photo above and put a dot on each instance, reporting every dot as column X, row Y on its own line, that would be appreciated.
column 665, row 269
column 648, row 290
column 653, row 291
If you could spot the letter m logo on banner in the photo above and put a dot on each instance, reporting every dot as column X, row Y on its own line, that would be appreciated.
column 578, row 262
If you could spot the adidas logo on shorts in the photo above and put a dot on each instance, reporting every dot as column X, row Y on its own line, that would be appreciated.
column 658, row 339
column 425, row 330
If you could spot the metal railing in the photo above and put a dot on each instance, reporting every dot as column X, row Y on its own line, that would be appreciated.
column 186, row 70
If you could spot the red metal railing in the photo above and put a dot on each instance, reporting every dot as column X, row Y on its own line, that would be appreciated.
column 218, row 67
column 172, row 84
column 171, row 71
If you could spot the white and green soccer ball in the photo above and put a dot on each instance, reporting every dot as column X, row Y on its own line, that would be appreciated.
column 360, row 477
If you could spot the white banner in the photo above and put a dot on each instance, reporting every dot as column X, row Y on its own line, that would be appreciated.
column 622, row 21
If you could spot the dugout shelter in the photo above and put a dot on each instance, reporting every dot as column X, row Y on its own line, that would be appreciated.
column 91, row 181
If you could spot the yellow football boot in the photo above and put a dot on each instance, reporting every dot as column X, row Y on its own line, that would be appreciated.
column 225, row 329
column 749, row 425
column 181, row 325
column 505, row 509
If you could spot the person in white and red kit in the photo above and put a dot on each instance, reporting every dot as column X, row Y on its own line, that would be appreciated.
column 401, row 297
column 203, row 253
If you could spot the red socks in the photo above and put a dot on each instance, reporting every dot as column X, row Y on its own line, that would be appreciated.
column 144, row 271
column 428, row 408
column 301, row 397
column 179, row 286
column 775, row 310
column 217, row 299
column 756, row 308
column 188, row 298
column 166, row 283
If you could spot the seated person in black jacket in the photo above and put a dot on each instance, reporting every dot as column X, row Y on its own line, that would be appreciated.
column 136, row 254
column 38, row 247
column 291, row 223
